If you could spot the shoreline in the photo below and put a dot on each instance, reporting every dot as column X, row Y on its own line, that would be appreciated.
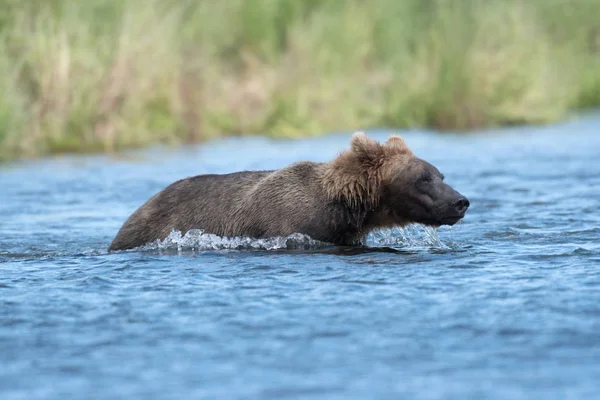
column 78, row 77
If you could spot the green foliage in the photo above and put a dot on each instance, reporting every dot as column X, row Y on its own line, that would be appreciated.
column 108, row 74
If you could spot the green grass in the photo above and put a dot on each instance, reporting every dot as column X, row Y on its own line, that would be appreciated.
column 103, row 75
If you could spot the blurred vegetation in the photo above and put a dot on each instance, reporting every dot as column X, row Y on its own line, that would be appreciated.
column 101, row 75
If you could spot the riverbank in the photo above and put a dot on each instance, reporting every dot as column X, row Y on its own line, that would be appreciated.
column 107, row 75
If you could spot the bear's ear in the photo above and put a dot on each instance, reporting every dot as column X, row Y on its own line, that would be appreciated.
column 397, row 144
column 363, row 146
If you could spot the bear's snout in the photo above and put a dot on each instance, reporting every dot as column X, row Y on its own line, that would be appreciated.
column 461, row 205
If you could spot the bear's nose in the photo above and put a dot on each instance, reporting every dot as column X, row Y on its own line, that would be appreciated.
column 461, row 205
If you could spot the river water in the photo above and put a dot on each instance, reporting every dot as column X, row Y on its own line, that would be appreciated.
column 504, row 305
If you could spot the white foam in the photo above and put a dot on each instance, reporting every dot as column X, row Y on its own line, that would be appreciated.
column 412, row 236
column 196, row 239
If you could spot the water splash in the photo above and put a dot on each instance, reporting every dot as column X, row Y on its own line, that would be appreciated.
column 197, row 240
column 411, row 236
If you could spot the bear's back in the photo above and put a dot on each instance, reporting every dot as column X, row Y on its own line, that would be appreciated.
column 290, row 200
column 198, row 202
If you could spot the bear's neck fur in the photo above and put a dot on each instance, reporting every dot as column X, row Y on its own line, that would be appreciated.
column 357, row 178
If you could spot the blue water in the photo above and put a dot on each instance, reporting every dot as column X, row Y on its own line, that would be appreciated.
column 504, row 305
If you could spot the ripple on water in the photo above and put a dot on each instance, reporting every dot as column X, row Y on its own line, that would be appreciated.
column 505, row 304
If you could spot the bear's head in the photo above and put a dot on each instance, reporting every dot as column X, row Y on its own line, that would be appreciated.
column 392, row 184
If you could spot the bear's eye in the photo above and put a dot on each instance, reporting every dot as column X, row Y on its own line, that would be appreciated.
column 425, row 178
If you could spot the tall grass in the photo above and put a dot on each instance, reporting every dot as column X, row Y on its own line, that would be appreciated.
column 101, row 75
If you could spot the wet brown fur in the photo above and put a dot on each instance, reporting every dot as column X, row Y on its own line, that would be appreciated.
column 357, row 176
column 337, row 202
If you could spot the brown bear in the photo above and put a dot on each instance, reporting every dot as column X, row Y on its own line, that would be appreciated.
column 367, row 186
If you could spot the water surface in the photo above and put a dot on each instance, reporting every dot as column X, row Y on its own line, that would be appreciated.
column 504, row 305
